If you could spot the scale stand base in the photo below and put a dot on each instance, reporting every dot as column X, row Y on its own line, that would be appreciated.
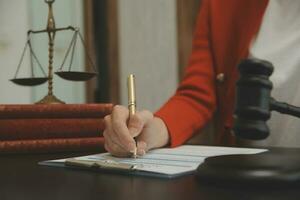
column 270, row 169
column 50, row 99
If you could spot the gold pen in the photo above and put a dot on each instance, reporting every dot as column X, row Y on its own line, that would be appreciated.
column 131, row 101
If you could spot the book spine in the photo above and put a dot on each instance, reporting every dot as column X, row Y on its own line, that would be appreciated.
column 52, row 145
column 22, row 129
column 18, row 111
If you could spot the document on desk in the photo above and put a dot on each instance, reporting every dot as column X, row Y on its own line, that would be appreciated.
column 164, row 162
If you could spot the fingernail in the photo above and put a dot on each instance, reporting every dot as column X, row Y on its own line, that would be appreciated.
column 141, row 152
column 133, row 149
column 134, row 133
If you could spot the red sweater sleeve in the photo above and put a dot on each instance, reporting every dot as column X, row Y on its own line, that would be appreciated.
column 194, row 102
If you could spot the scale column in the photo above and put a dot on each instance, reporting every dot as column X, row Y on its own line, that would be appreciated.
column 51, row 29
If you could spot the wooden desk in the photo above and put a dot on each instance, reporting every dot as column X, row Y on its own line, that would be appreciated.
column 22, row 178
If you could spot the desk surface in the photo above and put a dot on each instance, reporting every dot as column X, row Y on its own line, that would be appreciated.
column 22, row 178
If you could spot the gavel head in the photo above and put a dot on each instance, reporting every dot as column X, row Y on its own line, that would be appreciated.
column 252, row 108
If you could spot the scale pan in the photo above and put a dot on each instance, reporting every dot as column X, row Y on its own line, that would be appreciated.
column 76, row 76
column 29, row 81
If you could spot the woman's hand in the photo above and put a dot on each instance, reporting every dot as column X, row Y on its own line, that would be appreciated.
column 150, row 132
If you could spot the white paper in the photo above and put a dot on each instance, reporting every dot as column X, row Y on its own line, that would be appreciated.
column 171, row 161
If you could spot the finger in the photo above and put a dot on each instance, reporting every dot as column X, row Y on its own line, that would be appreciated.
column 119, row 118
column 112, row 143
column 115, row 149
column 108, row 132
column 138, row 121
column 114, row 152
column 141, row 148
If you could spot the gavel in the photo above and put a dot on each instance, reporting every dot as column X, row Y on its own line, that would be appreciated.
column 254, row 103
column 252, row 110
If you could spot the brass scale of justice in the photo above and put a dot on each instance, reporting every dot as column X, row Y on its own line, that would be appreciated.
column 69, row 75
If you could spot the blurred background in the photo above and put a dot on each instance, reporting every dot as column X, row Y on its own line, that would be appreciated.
column 151, row 39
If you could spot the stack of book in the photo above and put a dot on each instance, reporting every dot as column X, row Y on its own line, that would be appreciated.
column 52, row 128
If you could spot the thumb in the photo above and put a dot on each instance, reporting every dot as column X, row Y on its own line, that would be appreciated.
column 138, row 121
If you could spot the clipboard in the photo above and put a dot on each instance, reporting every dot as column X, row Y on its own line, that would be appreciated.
column 160, row 163
column 107, row 167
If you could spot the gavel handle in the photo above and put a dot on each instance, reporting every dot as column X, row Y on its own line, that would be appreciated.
column 284, row 108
